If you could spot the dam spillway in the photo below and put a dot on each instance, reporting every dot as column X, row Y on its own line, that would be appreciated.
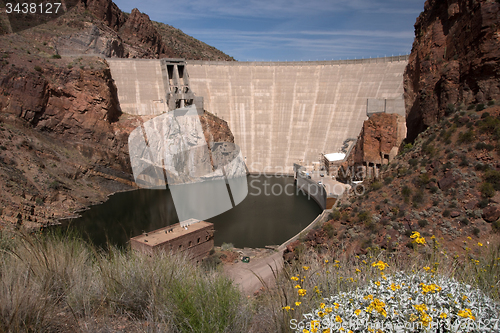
column 279, row 112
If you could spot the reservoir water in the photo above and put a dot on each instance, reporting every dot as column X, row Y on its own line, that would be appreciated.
column 273, row 212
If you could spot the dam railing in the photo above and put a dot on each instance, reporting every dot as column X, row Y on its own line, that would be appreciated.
column 296, row 63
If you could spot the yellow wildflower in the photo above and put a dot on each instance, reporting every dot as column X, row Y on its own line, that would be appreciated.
column 298, row 303
column 466, row 313
column 380, row 264
column 302, row 292
column 305, row 267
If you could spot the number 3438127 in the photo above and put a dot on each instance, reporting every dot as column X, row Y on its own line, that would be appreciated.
column 32, row 8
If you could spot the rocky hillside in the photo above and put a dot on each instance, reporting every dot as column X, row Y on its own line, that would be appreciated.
column 455, row 60
column 99, row 27
column 444, row 185
column 63, row 137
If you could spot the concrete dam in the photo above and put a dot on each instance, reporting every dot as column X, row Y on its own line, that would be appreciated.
column 279, row 112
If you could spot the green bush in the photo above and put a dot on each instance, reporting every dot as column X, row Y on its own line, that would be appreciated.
column 466, row 137
column 329, row 230
column 406, row 191
column 335, row 214
column 429, row 149
column 413, row 162
column 496, row 225
column 480, row 107
column 492, row 177
column 38, row 68
column 423, row 223
column 364, row 216
column 406, row 148
column 446, row 213
column 375, row 186
column 388, row 180
column 450, row 109
column 483, row 145
column 487, row 190
column 56, row 56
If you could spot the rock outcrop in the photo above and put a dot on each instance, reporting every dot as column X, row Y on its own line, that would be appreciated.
column 99, row 27
column 377, row 144
column 63, row 137
column 455, row 60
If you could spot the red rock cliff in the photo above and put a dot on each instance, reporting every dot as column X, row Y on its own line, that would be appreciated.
column 454, row 60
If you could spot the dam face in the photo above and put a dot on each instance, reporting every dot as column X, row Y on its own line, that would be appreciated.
column 279, row 112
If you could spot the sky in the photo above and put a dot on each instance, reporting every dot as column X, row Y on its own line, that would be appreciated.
column 291, row 30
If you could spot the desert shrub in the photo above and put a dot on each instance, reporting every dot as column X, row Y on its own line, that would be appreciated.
column 227, row 246
column 406, row 148
column 446, row 213
column 418, row 198
column 375, row 186
column 402, row 172
column 423, row 179
column 483, row 203
column 481, row 166
column 423, row 223
column 38, row 68
column 56, row 56
column 480, row 107
column 335, row 214
column 487, row 190
column 483, row 145
column 450, row 109
column 413, row 162
column 429, row 149
column 466, row 137
column 476, row 231
column 433, row 189
column 492, row 177
column 489, row 124
column 364, row 216
column 464, row 221
column 406, row 191
column 496, row 226
column 463, row 161
column 388, row 180
column 485, row 115
column 54, row 185
column 329, row 230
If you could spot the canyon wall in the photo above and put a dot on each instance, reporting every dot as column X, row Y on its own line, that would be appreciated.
column 455, row 60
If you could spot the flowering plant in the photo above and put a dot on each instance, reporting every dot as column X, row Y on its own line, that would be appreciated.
column 401, row 302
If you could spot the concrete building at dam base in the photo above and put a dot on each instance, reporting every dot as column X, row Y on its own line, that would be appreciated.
column 280, row 113
column 192, row 236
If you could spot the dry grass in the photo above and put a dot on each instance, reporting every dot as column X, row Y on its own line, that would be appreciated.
column 55, row 284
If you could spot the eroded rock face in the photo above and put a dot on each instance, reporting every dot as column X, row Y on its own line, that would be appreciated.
column 139, row 31
column 63, row 141
column 377, row 144
column 455, row 59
